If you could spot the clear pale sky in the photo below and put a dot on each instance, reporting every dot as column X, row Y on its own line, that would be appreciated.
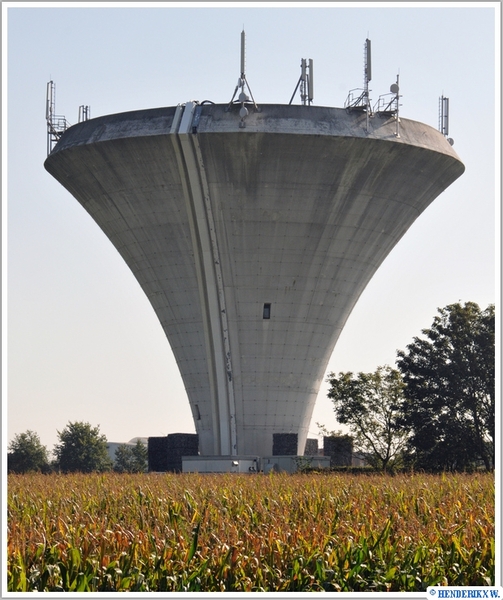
column 80, row 339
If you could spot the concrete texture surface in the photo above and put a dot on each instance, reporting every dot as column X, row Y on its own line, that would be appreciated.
column 294, row 207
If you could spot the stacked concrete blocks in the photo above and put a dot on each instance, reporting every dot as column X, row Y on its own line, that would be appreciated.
column 165, row 453
column 340, row 450
column 285, row 444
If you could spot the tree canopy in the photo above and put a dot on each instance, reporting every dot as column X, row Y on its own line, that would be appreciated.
column 369, row 403
column 82, row 448
column 450, row 389
column 26, row 453
column 131, row 459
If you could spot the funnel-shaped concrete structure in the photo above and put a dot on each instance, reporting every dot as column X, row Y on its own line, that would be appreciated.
column 253, row 240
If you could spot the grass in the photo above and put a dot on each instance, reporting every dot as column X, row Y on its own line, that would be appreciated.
column 278, row 532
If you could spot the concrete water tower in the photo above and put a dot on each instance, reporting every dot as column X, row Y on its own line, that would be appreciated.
column 253, row 230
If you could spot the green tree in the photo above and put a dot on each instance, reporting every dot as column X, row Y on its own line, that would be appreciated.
column 123, row 458
column 82, row 448
column 450, row 389
column 131, row 459
column 140, row 457
column 26, row 453
column 369, row 404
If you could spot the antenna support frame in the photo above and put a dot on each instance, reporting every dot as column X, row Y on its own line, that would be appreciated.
column 242, row 84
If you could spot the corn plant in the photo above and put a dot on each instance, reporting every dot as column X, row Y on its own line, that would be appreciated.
column 277, row 532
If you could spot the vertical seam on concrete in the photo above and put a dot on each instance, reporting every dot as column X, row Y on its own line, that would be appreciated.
column 202, row 285
column 211, row 281
column 221, row 294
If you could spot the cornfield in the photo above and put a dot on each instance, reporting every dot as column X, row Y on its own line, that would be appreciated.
column 247, row 533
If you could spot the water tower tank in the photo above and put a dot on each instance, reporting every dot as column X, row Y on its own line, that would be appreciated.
column 253, row 243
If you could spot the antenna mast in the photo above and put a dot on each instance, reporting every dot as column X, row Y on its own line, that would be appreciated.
column 243, row 98
column 306, row 82
column 395, row 89
column 443, row 118
column 367, row 77
column 56, row 124
column 362, row 103
column 84, row 113
column 443, row 115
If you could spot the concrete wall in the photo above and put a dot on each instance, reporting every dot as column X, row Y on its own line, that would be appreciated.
column 296, row 209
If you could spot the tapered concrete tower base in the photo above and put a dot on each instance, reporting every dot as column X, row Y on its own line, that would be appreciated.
column 253, row 240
